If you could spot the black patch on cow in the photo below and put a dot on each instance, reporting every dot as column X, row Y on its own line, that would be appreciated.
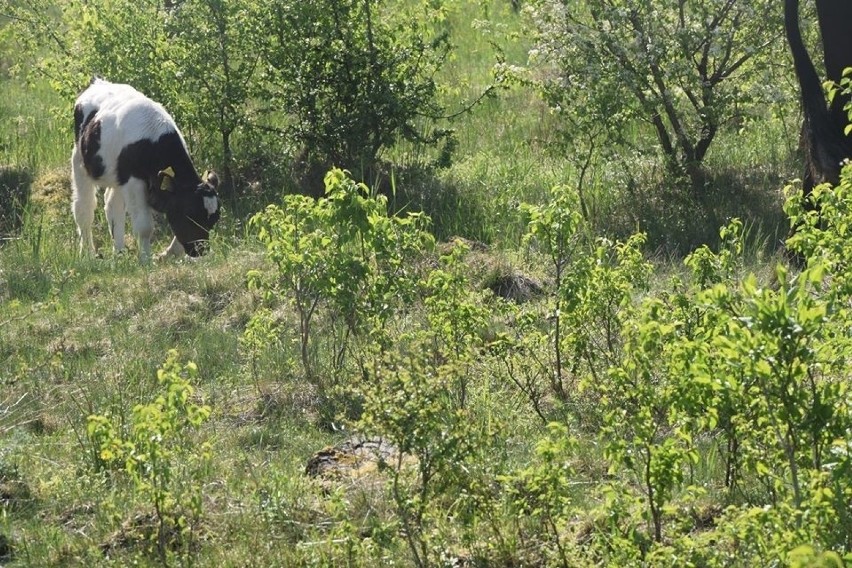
column 88, row 118
column 183, row 201
column 144, row 158
column 158, row 199
column 90, row 145
column 78, row 122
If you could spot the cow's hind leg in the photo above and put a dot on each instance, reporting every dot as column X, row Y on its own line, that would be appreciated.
column 83, row 202
column 116, row 215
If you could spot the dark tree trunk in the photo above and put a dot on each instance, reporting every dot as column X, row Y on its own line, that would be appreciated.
column 835, row 25
column 825, row 144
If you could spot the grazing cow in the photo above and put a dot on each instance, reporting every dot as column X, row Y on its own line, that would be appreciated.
column 130, row 145
column 826, row 146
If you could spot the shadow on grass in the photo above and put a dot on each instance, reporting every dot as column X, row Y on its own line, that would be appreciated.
column 15, row 190
column 677, row 219
column 455, row 212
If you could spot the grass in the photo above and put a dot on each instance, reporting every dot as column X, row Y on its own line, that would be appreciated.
column 88, row 339
column 79, row 336
column 38, row 131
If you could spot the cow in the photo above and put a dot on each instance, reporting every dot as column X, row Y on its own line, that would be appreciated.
column 826, row 146
column 128, row 144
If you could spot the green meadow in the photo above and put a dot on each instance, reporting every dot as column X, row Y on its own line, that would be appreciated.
column 556, row 362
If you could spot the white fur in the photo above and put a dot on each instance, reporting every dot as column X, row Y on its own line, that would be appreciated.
column 211, row 205
column 126, row 116
column 101, row 93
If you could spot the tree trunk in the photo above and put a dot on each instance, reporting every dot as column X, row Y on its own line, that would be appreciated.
column 835, row 25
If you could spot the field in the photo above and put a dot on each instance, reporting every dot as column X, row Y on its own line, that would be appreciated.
column 538, row 387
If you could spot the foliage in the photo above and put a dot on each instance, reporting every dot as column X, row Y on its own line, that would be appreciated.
column 541, row 495
column 706, row 415
column 643, row 430
column 343, row 254
column 157, row 451
column 419, row 396
column 261, row 334
column 457, row 317
column 593, row 286
column 684, row 68
column 406, row 402
column 749, row 365
column 353, row 79
column 197, row 57
column 216, row 45
column 123, row 42
column 38, row 26
column 720, row 413
column 345, row 79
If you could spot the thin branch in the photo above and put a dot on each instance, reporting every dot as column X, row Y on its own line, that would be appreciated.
column 488, row 90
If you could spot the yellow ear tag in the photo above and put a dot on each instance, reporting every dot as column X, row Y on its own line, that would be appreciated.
column 167, row 176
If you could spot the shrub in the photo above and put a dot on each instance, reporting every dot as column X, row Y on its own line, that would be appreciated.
column 342, row 255
column 156, row 451
column 684, row 67
column 353, row 79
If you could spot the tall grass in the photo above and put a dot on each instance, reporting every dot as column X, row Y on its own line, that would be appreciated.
column 38, row 126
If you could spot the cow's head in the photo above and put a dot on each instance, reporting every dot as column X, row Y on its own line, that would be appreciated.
column 191, row 210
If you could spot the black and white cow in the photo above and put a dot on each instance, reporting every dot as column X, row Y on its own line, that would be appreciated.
column 130, row 145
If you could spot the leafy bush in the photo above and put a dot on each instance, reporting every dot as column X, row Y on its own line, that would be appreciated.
column 684, row 67
column 353, row 79
column 407, row 403
column 593, row 286
column 156, row 451
column 343, row 81
column 419, row 395
column 757, row 369
column 343, row 255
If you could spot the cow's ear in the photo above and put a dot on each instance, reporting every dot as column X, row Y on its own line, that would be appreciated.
column 166, row 178
column 211, row 178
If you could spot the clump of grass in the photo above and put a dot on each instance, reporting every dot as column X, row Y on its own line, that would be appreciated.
column 51, row 192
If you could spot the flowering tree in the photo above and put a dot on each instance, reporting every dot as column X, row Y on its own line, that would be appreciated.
column 684, row 67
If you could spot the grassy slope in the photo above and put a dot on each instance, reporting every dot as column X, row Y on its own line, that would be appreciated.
column 82, row 336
